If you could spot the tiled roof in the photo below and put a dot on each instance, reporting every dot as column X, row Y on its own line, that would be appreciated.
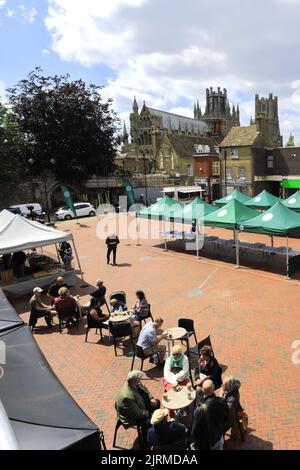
column 184, row 145
column 175, row 121
column 240, row 136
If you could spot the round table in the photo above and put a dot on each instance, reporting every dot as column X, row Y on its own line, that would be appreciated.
column 179, row 399
column 119, row 317
column 174, row 333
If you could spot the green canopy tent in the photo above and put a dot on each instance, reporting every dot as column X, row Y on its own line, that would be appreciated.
column 236, row 195
column 193, row 213
column 264, row 200
column 164, row 210
column 230, row 217
column 293, row 202
column 279, row 221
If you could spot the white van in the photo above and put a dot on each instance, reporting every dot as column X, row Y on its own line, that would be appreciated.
column 37, row 208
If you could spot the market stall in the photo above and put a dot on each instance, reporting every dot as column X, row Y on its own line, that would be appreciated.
column 235, row 195
column 22, row 265
column 293, row 202
column 264, row 200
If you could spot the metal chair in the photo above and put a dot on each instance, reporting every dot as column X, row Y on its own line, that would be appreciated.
column 139, row 352
column 119, row 424
column 121, row 331
column 35, row 314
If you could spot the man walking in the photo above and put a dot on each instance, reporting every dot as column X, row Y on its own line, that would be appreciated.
column 112, row 241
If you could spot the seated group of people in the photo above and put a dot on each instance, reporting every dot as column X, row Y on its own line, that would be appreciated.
column 60, row 300
column 213, row 416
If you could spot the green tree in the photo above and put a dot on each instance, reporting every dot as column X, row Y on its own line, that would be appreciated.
column 69, row 129
column 11, row 146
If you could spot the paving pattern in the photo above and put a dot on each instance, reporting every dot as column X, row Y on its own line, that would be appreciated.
column 252, row 316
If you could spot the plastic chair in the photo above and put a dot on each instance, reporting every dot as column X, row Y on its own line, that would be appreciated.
column 205, row 342
column 67, row 314
column 188, row 325
column 121, row 331
column 119, row 424
column 139, row 352
column 93, row 324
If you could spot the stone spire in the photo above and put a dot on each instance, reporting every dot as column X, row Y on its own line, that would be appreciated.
column 125, row 134
column 251, row 121
column 238, row 114
column 291, row 141
column 135, row 106
column 195, row 111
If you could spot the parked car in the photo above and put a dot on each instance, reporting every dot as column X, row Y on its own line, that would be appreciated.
column 23, row 209
column 83, row 209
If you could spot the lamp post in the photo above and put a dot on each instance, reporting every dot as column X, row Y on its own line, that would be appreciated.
column 145, row 178
column 44, row 178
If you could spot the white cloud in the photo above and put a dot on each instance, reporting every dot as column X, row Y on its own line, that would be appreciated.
column 27, row 14
column 46, row 52
column 2, row 3
column 168, row 54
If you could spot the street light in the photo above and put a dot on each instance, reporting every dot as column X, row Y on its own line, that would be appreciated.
column 31, row 161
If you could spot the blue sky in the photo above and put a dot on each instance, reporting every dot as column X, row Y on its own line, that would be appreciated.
column 166, row 56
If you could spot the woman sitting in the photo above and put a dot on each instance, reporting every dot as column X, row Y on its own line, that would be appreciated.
column 231, row 393
column 95, row 313
column 176, row 370
column 141, row 307
column 208, row 367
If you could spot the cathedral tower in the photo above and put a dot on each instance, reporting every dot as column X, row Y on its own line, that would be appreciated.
column 269, row 107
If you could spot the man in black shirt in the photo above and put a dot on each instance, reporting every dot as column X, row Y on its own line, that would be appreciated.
column 112, row 241
column 54, row 288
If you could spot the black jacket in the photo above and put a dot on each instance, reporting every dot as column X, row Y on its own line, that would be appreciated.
column 209, row 422
column 212, row 370
column 233, row 401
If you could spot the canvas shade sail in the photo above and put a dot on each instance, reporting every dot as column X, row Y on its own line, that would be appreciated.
column 18, row 233
column 293, row 202
column 195, row 210
column 236, row 194
column 164, row 209
column 229, row 216
column 278, row 220
column 263, row 200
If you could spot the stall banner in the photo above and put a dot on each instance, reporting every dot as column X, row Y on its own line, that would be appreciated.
column 130, row 193
column 68, row 198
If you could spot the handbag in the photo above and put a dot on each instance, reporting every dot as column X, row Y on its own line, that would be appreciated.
column 243, row 419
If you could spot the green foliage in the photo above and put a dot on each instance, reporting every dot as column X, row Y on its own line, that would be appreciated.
column 11, row 146
column 66, row 122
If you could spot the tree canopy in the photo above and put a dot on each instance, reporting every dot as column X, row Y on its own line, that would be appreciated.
column 11, row 147
column 69, row 129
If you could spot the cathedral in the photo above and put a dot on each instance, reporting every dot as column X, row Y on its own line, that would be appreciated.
column 269, row 107
column 218, row 115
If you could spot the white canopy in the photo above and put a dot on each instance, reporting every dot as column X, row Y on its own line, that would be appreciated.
column 18, row 233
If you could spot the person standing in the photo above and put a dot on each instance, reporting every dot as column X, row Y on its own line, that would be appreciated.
column 112, row 242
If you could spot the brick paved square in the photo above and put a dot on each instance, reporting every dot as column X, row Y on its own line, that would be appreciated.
column 252, row 317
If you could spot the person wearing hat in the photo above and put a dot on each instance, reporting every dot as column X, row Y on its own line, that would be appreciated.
column 135, row 404
column 39, row 309
column 164, row 432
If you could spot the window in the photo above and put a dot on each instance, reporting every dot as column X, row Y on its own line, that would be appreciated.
column 229, row 173
column 216, row 168
column 241, row 172
column 166, row 152
column 270, row 161
column 161, row 163
column 189, row 170
column 234, row 153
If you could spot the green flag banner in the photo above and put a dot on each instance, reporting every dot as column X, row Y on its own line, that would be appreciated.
column 129, row 191
column 68, row 198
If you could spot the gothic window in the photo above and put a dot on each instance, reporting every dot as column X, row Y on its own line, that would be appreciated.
column 161, row 163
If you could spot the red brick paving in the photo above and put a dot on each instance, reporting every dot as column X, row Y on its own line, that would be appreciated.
column 252, row 316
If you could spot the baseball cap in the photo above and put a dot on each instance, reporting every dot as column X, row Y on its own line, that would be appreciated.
column 37, row 289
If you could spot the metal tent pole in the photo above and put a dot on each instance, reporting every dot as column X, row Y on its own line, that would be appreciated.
column 164, row 230
column 84, row 284
column 197, row 240
column 237, row 251
column 137, row 226
column 287, row 259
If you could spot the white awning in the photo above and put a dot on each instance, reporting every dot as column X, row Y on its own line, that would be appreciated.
column 18, row 233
